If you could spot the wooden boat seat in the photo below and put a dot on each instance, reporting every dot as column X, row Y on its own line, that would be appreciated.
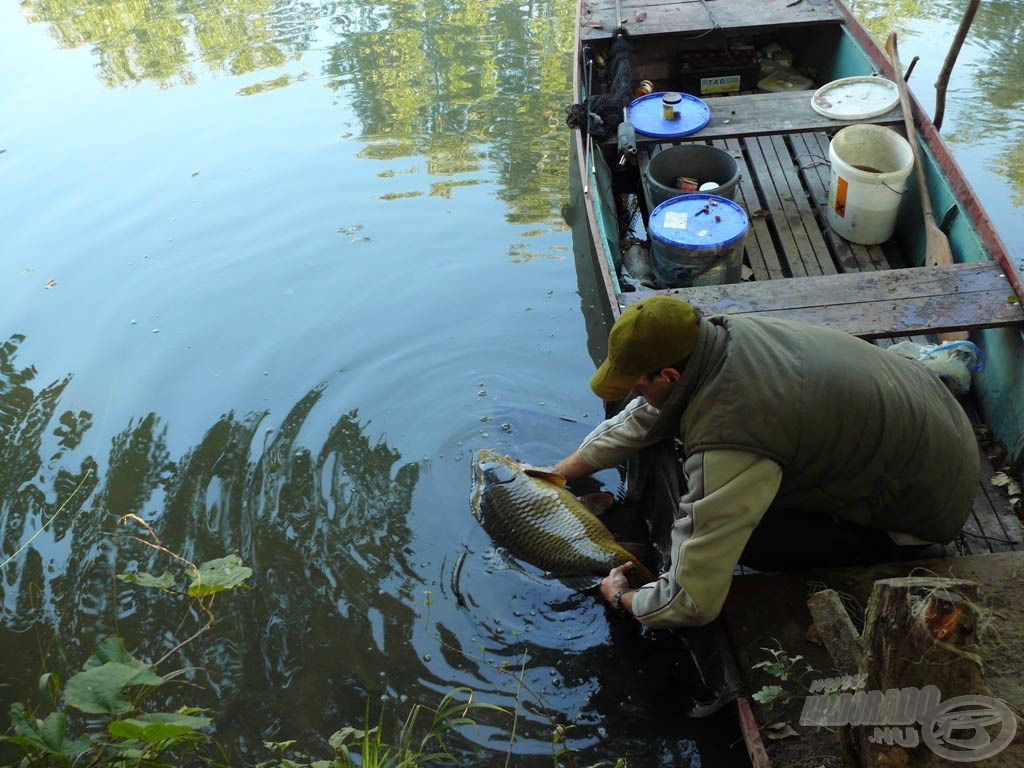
column 598, row 17
column 872, row 305
column 761, row 114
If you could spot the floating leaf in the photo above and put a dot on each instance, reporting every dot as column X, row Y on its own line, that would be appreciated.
column 217, row 575
column 165, row 582
column 158, row 726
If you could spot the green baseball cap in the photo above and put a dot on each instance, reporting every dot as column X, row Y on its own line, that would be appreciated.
column 650, row 335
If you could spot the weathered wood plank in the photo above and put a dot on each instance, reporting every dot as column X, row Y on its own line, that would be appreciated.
column 987, row 529
column 658, row 18
column 800, row 214
column 760, row 114
column 778, row 203
column 896, row 302
column 761, row 255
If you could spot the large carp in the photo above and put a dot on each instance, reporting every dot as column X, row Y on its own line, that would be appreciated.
column 532, row 515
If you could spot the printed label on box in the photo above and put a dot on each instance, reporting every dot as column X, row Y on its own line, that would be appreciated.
column 725, row 84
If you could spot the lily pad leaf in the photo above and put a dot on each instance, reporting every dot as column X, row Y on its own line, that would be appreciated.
column 157, row 726
column 217, row 575
column 165, row 582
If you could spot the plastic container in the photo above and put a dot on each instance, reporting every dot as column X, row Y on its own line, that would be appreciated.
column 697, row 240
column 699, row 162
column 780, row 78
column 669, row 102
column 870, row 167
column 856, row 98
column 647, row 115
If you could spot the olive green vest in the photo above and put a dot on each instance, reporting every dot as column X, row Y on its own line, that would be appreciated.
column 866, row 434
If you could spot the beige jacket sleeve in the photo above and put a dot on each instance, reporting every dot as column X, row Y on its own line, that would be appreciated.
column 616, row 439
column 727, row 494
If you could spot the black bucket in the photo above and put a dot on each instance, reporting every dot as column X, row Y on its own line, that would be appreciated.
column 695, row 161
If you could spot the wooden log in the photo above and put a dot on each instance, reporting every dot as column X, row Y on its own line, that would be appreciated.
column 919, row 635
column 836, row 630
column 920, row 631
column 918, row 650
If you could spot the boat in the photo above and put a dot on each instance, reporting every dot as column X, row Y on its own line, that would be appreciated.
column 761, row 83
column 794, row 264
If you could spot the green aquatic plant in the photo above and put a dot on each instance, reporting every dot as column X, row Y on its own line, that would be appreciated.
column 788, row 670
column 105, row 702
column 417, row 743
column 113, row 685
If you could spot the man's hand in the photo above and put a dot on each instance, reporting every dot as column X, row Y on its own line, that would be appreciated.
column 617, row 583
column 572, row 467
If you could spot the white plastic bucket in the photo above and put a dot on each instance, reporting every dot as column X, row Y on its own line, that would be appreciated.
column 870, row 166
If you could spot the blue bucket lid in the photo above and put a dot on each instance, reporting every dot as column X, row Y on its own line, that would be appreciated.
column 698, row 221
column 646, row 116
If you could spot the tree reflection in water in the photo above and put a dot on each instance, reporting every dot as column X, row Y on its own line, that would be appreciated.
column 324, row 530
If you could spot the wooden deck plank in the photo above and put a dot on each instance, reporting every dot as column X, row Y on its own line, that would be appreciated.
column 992, row 526
column 762, row 114
column 973, row 536
column 801, row 212
column 873, row 304
column 774, row 191
column 981, row 533
column 659, row 18
column 761, row 256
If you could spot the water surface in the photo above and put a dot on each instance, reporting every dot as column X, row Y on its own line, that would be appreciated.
column 270, row 272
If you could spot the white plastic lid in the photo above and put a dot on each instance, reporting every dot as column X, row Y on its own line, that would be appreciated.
column 856, row 98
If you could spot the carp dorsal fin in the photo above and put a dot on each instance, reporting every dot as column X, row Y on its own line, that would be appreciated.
column 597, row 503
column 543, row 474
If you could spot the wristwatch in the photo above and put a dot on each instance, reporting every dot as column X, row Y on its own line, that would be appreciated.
column 617, row 599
